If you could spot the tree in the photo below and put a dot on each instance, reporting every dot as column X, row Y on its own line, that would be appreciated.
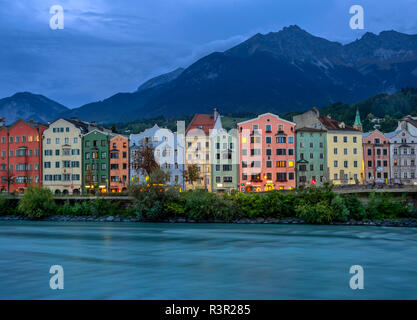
column 9, row 179
column 158, row 176
column 192, row 174
column 143, row 159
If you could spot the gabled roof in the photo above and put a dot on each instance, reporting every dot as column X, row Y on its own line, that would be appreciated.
column 32, row 124
column 263, row 115
column 332, row 124
column 202, row 121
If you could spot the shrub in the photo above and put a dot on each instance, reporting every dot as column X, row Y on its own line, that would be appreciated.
column 355, row 207
column 37, row 202
column 4, row 205
column 200, row 204
column 151, row 200
column 340, row 210
column 319, row 212
column 382, row 205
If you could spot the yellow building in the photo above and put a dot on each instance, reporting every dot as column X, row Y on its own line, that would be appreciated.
column 197, row 148
column 344, row 156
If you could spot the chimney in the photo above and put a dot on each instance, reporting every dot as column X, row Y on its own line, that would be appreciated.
column 329, row 116
column 31, row 121
column 2, row 122
column 93, row 123
column 316, row 111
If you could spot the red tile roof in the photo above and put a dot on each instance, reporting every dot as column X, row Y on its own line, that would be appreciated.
column 203, row 122
column 331, row 124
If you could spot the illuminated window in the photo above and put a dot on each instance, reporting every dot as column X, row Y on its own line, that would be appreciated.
column 244, row 140
column 290, row 164
column 282, row 164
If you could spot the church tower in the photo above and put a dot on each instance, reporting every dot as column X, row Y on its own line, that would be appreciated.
column 357, row 124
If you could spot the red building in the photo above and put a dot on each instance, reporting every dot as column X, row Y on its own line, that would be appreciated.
column 266, row 154
column 376, row 153
column 20, row 155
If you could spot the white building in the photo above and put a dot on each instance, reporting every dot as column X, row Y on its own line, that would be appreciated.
column 169, row 152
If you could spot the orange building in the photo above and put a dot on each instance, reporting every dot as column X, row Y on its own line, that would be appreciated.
column 119, row 163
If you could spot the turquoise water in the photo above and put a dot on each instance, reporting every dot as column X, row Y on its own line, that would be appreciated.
column 205, row 261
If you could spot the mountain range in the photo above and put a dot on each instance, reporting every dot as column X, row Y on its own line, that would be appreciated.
column 277, row 72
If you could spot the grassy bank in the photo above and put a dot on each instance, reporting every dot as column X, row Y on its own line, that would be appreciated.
column 315, row 205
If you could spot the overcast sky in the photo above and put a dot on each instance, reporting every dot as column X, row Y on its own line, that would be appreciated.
column 110, row 46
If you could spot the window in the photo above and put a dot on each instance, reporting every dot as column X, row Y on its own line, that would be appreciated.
column 66, row 164
column 57, row 164
column 268, row 128
column 345, row 139
column 345, row 164
column 268, row 152
column 281, row 176
column 103, row 155
column 75, row 140
column 290, row 139
column 355, row 139
column 335, row 151
column 335, row 163
column 57, row 141
column 369, row 164
column 268, row 140
column 281, row 139
column 227, row 179
column 57, row 152
column 334, row 138
column 268, row 163
column 355, row 164
column 281, row 164
column 281, row 152
column 290, row 152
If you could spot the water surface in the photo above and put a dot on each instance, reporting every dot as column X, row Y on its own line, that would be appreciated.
column 205, row 261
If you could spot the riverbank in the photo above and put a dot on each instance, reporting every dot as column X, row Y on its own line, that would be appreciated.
column 405, row 222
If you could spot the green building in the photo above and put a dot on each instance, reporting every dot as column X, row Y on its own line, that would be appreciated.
column 224, row 160
column 96, row 161
column 311, row 157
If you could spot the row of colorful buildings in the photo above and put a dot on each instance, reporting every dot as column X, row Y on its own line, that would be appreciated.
column 70, row 156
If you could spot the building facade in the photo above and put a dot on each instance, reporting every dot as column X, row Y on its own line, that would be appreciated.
column 197, row 147
column 266, row 154
column 311, row 151
column 168, row 152
column 403, row 155
column 96, row 162
column 21, row 155
column 344, row 147
column 225, row 158
column 62, row 158
column 119, row 163
column 376, row 153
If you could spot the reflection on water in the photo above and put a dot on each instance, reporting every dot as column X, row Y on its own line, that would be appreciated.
column 205, row 261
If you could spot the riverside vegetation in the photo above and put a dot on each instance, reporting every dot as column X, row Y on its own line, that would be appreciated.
column 314, row 205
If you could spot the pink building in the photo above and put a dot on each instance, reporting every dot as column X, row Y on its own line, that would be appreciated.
column 266, row 154
column 376, row 157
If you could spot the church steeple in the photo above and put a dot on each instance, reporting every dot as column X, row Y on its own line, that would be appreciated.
column 358, row 123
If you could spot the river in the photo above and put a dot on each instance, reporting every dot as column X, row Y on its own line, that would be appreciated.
column 205, row 261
